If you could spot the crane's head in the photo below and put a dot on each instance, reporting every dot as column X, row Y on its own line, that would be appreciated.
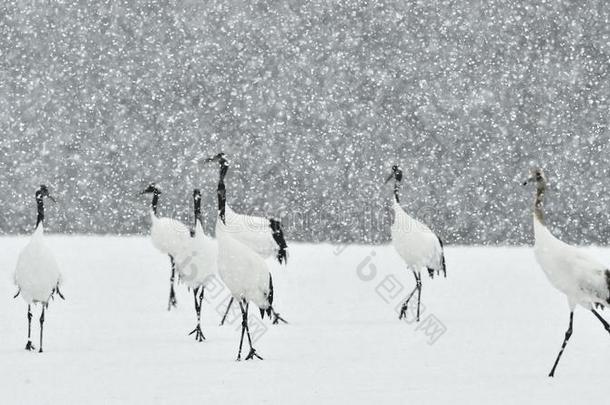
column 219, row 158
column 536, row 175
column 197, row 194
column 151, row 189
column 43, row 191
column 396, row 174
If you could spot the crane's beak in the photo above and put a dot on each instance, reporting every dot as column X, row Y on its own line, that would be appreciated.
column 389, row 178
column 52, row 199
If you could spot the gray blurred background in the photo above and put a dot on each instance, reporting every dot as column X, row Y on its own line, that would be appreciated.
column 313, row 103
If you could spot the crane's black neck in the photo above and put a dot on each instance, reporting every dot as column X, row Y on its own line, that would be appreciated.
column 539, row 203
column 197, row 206
column 396, row 187
column 155, row 202
column 221, row 191
column 40, row 204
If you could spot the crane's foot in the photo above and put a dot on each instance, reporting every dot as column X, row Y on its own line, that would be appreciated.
column 252, row 355
column 30, row 347
column 277, row 319
column 198, row 334
column 403, row 314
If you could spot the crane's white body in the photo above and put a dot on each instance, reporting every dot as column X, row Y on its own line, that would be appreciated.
column 242, row 269
column 417, row 245
column 196, row 260
column 254, row 232
column 168, row 235
column 37, row 274
column 572, row 271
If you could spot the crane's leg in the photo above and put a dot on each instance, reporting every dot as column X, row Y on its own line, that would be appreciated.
column 226, row 312
column 252, row 353
column 244, row 324
column 41, row 326
column 563, row 346
column 602, row 320
column 276, row 317
column 172, row 293
column 198, row 294
column 29, row 346
column 403, row 309
column 418, row 279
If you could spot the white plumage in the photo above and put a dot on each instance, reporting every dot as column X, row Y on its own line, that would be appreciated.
column 169, row 236
column 416, row 244
column 37, row 274
column 252, row 231
column 196, row 262
column 264, row 236
column 584, row 280
column 243, row 271
column 572, row 271
column 241, row 268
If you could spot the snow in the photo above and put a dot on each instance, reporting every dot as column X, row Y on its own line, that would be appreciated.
column 112, row 340
column 313, row 101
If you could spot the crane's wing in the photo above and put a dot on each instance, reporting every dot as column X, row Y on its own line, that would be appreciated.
column 254, row 232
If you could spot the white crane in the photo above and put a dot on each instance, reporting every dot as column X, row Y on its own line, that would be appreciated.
column 197, row 263
column 262, row 235
column 583, row 280
column 169, row 236
column 418, row 246
column 37, row 275
column 241, row 268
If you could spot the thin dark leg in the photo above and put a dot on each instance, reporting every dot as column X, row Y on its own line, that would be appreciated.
column 198, row 295
column 244, row 324
column 172, row 293
column 563, row 346
column 403, row 309
column 418, row 278
column 29, row 345
column 226, row 312
column 41, row 326
column 277, row 317
column 252, row 353
column 602, row 320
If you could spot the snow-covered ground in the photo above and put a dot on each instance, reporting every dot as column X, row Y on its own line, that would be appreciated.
column 489, row 332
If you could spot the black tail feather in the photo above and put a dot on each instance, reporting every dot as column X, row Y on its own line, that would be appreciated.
column 607, row 274
column 59, row 292
column 444, row 267
column 269, row 308
column 270, row 296
column 278, row 236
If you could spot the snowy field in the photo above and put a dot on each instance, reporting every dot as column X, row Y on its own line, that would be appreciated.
column 489, row 332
